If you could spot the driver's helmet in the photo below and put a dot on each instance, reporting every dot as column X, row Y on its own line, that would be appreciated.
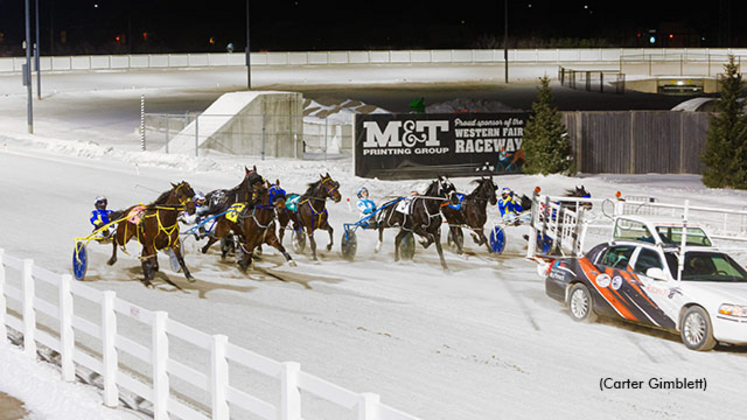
column 101, row 203
column 506, row 192
column 199, row 198
column 362, row 192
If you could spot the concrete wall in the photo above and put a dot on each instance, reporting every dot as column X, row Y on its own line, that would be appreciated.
column 268, row 124
column 713, row 58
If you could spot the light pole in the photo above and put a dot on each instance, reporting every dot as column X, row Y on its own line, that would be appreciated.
column 37, row 53
column 505, row 39
column 27, row 76
column 248, row 58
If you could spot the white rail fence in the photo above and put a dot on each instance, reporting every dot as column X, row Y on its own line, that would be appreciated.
column 214, row 380
column 614, row 56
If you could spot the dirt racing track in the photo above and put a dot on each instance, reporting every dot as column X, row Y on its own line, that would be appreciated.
column 481, row 341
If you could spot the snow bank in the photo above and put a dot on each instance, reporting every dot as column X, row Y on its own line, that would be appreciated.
column 45, row 396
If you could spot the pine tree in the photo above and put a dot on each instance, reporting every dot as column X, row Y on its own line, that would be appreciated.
column 725, row 155
column 546, row 143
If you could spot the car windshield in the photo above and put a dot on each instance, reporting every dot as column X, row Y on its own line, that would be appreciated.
column 673, row 235
column 707, row 266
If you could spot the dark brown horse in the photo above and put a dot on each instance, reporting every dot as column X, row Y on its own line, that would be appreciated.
column 471, row 213
column 311, row 213
column 423, row 217
column 157, row 228
column 256, row 226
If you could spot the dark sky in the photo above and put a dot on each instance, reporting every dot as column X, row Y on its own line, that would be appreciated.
column 93, row 26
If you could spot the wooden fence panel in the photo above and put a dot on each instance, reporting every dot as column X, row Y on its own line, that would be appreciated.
column 637, row 142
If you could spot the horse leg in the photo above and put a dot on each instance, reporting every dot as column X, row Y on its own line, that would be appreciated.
column 274, row 242
column 381, row 240
column 221, row 228
column 454, row 234
column 113, row 259
column 331, row 236
column 436, row 237
column 312, row 243
column 179, row 257
column 147, row 256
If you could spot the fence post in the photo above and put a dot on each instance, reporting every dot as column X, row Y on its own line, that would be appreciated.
column 29, row 316
column 67, row 334
column 368, row 406
column 3, row 302
column 197, row 134
column 326, row 132
column 601, row 82
column 142, row 122
column 109, row 349
column 160, row 348
column 219, row 377
column 290, row 398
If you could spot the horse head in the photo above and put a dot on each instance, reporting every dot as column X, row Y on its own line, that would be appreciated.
column 183, row 194
column 331, row 187
column 489, row 188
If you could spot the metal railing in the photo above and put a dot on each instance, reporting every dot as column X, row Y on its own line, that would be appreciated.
column 592, row 80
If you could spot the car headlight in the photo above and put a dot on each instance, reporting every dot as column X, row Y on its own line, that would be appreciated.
column 738, row 311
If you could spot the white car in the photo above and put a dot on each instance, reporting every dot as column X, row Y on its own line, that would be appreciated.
column 636, row 277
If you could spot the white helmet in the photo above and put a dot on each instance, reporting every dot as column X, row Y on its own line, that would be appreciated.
column 199, row 196
column 361, row 191
column 101, row 202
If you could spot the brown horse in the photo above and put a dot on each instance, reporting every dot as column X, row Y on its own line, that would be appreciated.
column 256, row 226
column 157, row 228
column 471, row 213
column 311, row 213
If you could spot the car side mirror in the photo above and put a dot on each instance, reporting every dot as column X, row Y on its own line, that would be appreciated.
column 656, row 273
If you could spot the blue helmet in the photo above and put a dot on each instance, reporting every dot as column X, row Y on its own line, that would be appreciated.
column 360, row 192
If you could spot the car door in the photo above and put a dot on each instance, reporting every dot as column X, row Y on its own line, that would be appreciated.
column 608, row 280
column 651, row 296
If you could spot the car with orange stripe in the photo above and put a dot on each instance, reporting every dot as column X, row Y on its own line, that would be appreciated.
column 702, row 296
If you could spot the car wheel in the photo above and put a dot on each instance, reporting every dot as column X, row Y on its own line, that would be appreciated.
column 696, row 330
column 581, row 304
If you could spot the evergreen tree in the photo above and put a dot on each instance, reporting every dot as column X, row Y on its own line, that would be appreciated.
column 546, row 143
column 725, row 155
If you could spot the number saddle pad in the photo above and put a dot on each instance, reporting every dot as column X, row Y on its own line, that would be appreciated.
column 233, row 212
column 136, row 214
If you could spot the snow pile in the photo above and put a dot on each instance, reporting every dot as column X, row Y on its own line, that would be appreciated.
column 45, row 396
column 336, row 111
column 468, row 105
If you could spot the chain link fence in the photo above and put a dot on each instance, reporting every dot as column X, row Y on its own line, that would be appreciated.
column 264, row 135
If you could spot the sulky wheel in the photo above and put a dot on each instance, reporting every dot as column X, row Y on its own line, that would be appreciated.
column 349, row 244
column 407, row 247
column 80, row 261
column 497, row 240
column 299, row 241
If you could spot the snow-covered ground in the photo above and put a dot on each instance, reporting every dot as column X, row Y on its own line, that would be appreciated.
column 45, row 396
column 481, row 341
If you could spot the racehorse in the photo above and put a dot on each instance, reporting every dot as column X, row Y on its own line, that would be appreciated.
column 423, row 217
column 283, row 214
column 258, row 227
column 311, row 212
column 471, row 212
column 219, row 200
column 157, row 228
column 581, row 192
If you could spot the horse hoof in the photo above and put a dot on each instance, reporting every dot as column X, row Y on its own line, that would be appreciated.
column 292, row 263
column 329, row 248
column 111, row 262
column 191, row 279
